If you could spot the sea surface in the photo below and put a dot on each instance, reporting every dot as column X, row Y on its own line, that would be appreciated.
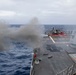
column 17, row 60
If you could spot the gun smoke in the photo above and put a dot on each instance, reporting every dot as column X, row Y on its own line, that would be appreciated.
column 30, row 34
column 3, row 36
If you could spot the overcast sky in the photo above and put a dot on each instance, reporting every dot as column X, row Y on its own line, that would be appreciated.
column 47, row 11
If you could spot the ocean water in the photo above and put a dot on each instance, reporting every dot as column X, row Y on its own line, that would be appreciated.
column 17, row 60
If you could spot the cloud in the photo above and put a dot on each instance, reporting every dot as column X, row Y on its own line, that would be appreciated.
column 6, row 13
column 43, row 9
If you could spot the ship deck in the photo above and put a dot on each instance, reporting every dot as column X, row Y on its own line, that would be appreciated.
column 54, row 58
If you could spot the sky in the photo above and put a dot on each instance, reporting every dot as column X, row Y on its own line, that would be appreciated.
column 47, row 11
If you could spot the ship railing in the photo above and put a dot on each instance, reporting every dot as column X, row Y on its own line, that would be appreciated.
column 31, row 70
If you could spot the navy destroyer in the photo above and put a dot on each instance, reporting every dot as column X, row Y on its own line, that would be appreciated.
column 58, row 57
